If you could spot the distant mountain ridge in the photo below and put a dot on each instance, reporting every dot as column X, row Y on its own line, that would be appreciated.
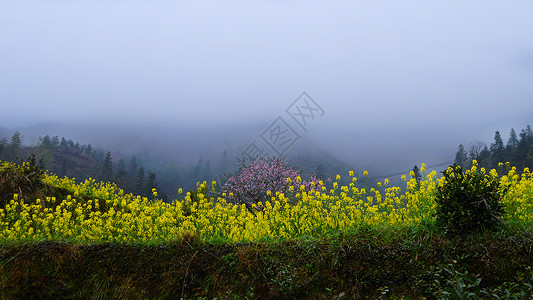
column 68, row 158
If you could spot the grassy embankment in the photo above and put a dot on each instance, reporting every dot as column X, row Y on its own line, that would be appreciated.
column 62, row 239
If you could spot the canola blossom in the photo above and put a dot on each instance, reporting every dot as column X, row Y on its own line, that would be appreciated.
column 101, row 212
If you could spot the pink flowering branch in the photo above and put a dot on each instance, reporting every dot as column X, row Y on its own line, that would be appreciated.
column 255, row 178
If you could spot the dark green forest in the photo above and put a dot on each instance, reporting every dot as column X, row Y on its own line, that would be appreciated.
column 518, row 151
column 64, row 157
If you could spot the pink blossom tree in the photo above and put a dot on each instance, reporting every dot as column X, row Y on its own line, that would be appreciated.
column 258, row 176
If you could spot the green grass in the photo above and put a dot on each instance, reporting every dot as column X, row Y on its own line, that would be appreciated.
column 369, row 263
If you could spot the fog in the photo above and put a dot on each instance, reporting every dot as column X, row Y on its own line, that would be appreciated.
column 399, row 83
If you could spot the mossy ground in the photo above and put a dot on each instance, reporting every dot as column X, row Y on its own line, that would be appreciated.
column 348, row 266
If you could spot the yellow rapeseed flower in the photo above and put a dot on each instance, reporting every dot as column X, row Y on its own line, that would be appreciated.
column 113, row 216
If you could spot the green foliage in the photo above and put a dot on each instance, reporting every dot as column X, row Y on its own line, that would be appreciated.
column 107, row 169
column 453, row 281
column 468, row 201
column 189, row 202
column 461, row 157
column 497, row 148
column 359, row 266
column 21, row 179
column 516, row 152
column 68, row 158
column 450, row 282
column 520, row 288
column 417, row 176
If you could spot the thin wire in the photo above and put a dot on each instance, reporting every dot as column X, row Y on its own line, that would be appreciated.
column 407, row 172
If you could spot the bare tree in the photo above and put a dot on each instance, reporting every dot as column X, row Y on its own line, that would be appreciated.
column 475, row 150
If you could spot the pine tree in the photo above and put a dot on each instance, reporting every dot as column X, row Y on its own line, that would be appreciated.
column 64, row 144
column 461, row 157
column 45, row 151
column 416, row 175
column 511, row 149
column 107, row 168
column 133, row 167
column 513, row 139
column 497, row 149
column 526, row 142
column 45, row 141
column 529, row 157
column 16, row 140
column 121, row 177
column 139, row 183
column 484, row 157
column 55, row 141
column 3, row 147
column 529, row 132
column 13, row 150
column 151, row 183
column 526, row 139
column 121, row 165
column 89, row 150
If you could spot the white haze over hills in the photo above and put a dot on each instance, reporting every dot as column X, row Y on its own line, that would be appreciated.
column 400, row 83
column 381, row 152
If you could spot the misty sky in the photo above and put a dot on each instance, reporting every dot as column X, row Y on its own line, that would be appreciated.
column 421, row 71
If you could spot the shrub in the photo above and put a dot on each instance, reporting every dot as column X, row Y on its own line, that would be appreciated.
column 468, row 201
column 24, row 178
column 258, row 176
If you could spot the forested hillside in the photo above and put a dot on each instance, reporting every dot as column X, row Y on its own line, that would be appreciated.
column 68, row 158
column 140, row 173
column 518, row 151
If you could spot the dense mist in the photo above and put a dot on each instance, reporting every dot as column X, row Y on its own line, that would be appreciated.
column 379, row 151
column 393, row 85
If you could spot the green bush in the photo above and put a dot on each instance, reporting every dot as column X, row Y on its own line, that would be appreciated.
column 468, row 201
column 23, row 178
